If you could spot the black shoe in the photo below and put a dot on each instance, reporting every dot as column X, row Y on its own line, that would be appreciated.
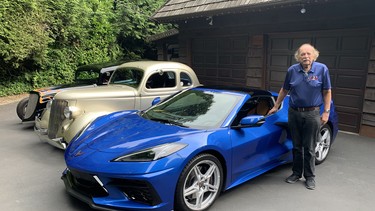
column 292, row 179
column 310, row 183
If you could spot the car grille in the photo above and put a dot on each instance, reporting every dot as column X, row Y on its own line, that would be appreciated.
column 137, row 190
column 86, row 184
column 31, row 105
column 56, row 117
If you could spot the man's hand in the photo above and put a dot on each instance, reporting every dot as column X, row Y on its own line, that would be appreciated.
column 273, row 110
column 324, row 118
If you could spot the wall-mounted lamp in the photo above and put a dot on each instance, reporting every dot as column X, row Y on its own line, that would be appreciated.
column 303, row 10
column 210, row 20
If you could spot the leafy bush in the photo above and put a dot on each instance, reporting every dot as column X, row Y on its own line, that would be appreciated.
column 42, row 42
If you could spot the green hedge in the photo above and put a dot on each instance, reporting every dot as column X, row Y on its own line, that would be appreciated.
column 42, row 42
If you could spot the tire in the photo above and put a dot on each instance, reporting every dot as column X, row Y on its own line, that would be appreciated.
column 21, row 108
column 323, row 146
column 202, row 178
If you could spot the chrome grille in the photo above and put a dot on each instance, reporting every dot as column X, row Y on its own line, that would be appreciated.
column 31, row 105
column 56, row 117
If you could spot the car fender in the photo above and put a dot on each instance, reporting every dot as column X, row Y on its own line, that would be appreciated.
column 43, row 120
column 210, row 148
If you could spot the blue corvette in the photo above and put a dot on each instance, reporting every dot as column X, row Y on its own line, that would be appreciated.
column 182, row 152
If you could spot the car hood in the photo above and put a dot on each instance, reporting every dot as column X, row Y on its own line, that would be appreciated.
column 109, row 91
column 124, row 133
column 59, row 88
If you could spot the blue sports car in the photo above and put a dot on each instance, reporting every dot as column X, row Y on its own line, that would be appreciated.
column 182, row 152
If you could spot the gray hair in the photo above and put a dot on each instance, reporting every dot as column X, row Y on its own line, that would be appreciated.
column 315, row 52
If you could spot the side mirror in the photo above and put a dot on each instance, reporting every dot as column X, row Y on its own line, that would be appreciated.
column 156, row 101
column 251, row 121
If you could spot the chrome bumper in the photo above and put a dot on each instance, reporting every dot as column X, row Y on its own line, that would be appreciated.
column 43, row 136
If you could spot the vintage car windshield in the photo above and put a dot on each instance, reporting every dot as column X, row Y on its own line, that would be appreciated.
column 86, row 76
column 127, row 76
column 200, row 109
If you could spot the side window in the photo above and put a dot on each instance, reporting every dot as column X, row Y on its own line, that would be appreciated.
column 185, row 79
column 246, row 109
column 257, row 105
column 262, row 105
column 161, row 80
column 105, row 77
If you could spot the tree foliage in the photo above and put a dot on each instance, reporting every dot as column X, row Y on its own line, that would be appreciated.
column 43, row 41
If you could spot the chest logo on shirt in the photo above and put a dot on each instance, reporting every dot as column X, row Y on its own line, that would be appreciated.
column 313, row 78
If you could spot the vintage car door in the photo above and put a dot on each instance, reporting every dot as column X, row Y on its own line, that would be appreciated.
column 159, row 84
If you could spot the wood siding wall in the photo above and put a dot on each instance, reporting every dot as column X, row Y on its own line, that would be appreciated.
column 368, row 119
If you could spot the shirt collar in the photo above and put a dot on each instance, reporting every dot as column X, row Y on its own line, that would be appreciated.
column 311, row 69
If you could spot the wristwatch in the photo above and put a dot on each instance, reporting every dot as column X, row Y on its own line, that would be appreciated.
column 327, row 110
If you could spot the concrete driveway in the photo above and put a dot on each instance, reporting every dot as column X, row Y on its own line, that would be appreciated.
column 31, row 170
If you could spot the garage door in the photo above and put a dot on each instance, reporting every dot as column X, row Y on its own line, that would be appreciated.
column 346, row 55
column 221, row 60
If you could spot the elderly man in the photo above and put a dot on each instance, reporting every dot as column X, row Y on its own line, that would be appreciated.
column 309, row 86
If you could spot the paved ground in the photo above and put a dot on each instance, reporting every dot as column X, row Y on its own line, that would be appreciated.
column 30, row 177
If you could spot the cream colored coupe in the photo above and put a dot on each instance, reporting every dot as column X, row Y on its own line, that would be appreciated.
column 133, row 85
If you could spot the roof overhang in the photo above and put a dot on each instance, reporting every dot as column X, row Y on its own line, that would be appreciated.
column 179, row 10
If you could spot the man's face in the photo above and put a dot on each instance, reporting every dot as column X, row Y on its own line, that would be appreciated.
column 306, row 55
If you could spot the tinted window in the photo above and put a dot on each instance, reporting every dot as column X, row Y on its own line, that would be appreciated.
column 185, row 79
column 161, row 80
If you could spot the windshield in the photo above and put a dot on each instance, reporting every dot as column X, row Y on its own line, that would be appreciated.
column 200, row 109
column 127, row 76
column 86, row 76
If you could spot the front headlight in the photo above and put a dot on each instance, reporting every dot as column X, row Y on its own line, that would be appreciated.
column 153, row 153
column 71, row 112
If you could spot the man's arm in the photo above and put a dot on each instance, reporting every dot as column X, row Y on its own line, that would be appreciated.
column 327, row 96
column 282, row 93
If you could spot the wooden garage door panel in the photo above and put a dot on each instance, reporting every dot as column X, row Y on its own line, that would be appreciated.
column 353, row 62
column 279, row 44
column 355, row 43
column 210, row 59
column 198, row 59
column 326, row 44
column 349, row 81
column 329, row 60
column 280, row 60
column 296, row 42
column 221, row 60
column 277, row 77
column 348, row 101
column 348, row 121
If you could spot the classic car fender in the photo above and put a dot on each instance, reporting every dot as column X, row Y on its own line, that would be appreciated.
column 41, row 122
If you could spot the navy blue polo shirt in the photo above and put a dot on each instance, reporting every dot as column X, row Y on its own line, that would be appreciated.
column 305, row 90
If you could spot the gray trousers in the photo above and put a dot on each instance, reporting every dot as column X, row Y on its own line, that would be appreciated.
column 305, row 131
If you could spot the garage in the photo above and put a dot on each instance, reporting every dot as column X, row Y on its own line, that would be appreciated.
column 251, row 43
column 346, row 55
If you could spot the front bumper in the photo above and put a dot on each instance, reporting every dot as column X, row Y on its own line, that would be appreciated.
column 109, row 196
column 43, row 136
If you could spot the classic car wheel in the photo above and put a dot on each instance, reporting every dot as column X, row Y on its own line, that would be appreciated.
column 199, row 184
column 324, row 145
column 21, row 108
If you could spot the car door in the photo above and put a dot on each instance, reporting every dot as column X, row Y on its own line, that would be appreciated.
column 159, row 84
column 258, row 148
